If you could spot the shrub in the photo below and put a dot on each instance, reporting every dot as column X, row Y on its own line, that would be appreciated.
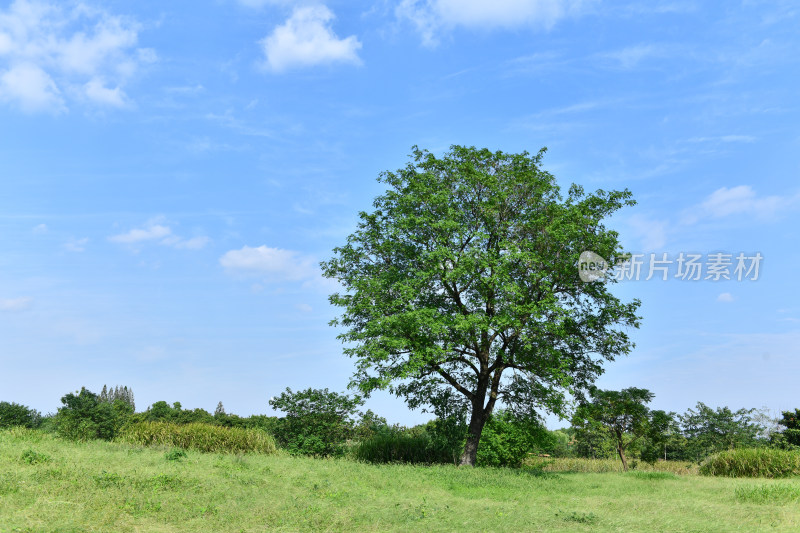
column 14, row 414
column 33, row 457
column 400, row 445
column 317, row 422
column 507, row 440
column 198, row 436
column 175, row 454
column 753, row 462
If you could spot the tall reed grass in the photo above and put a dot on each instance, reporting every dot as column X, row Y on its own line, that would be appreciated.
column 753, row 462
column 403, row 448
column 198, row 436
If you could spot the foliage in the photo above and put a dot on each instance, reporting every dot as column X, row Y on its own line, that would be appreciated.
column 789, row 438
column 118, row 393
column 161, row 411
column 198, row 436
column 663, row 435
column 591, row 440
column 175, row 454
column 508, row 439
column 317, row 421
column 465, row 276
column 710, row 430
column 753, row 462
column 32, row 457
column 369, row 425
column 401, row 445
column 13, row 414
column 622, row 414
column 84, row 416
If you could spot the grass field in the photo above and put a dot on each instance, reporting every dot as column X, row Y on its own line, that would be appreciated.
column 51, row 485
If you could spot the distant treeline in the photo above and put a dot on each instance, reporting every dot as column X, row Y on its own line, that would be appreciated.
column 323, row 423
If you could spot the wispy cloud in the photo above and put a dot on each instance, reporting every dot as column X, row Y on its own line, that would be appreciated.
column 76, row 245
column 432, row 17
column 273, row 264
column 136, row 235
column 630, row 57
column 307, row 39
column 739, row 200
column 15, row 304
column 51, row 53
column 724, row 139
column 157, row 231
column 725, row 297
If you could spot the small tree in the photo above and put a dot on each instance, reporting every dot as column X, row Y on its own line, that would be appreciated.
column 219, row 412
column 623, row 414
column 317, row 421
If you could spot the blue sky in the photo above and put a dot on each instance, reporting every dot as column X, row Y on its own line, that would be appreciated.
column 172, row 173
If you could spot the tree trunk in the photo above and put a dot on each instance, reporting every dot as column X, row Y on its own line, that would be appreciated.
column 476, row 423
column 621, row 449
column 621, row 453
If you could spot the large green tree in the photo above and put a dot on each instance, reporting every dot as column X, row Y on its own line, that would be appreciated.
column 465, row 276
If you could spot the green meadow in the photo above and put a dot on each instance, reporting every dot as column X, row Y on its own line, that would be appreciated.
column 53, row 485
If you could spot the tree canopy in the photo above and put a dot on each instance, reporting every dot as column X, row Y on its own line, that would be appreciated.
column 465, row 276
column 623, row 414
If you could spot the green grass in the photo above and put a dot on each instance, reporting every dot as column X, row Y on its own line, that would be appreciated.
column 599, row 466
column 115, row 487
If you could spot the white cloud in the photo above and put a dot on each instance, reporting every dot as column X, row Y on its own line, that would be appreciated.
column 304, row 308
column 724, row 139
column 630, row 57
column 51, row 51
column 96, row 90
column 261, row 3
column 432, row 16
column 31, row 88
column 15, row 304
column 274, row 264
column 307, row 39
column 156, row 231
column 725, row 297
column 137, row 235
column 195, row 243
column 739, row 200
column 41, row 228
column 76, row 245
